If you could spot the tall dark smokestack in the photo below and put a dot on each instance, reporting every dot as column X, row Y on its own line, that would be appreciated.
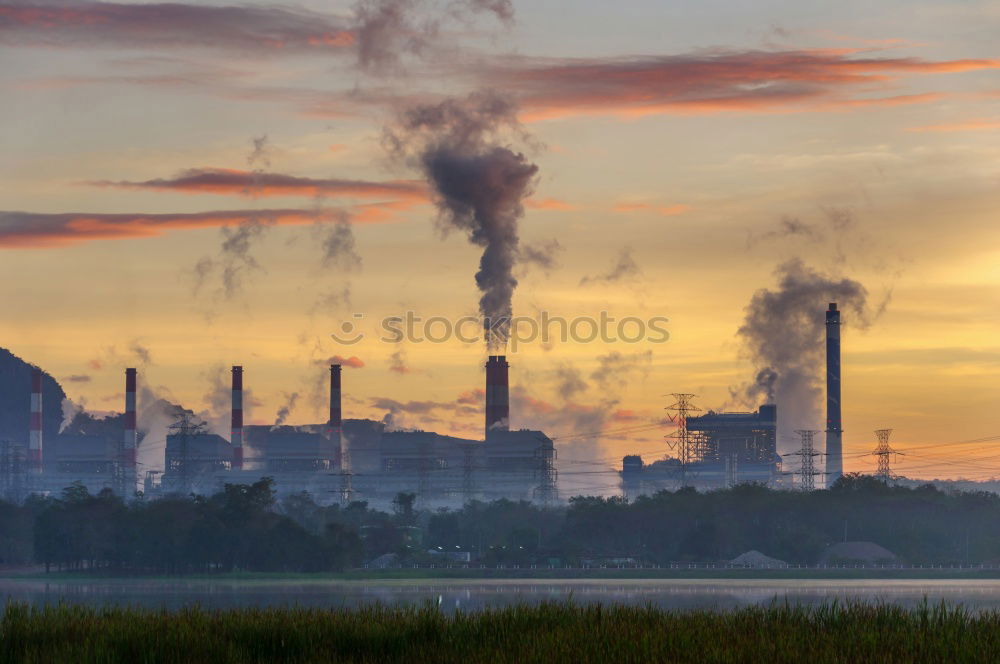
column 237, row 433
column 335, row 424
column 130, row 440
column 834, row 432
column 35, row 425
column 497, row 394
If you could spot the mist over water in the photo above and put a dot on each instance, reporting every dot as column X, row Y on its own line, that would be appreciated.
column 475, row 595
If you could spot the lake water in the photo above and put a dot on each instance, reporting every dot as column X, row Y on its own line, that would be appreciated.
column 473, row 595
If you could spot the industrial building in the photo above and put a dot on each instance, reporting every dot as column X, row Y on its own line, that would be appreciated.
column 725, row 449
column 339, row 460
column 360, row 459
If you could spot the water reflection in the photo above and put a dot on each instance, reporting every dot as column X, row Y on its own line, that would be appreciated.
column 474, row 595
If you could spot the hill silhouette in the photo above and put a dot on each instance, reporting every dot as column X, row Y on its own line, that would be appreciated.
column 15, row 399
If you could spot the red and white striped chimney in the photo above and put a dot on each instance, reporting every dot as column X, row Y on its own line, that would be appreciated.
column 497, row 394
column 35, row 426
column 237, row 433
column 130, row 440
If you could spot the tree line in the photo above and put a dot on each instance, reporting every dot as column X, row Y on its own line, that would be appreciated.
column 245, row 528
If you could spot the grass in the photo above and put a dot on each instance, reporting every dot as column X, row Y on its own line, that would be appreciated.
column 544, row 633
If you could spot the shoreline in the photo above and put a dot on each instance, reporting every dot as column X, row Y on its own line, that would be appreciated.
column 554, row 577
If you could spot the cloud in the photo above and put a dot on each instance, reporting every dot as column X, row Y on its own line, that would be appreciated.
column 713, row 81
column 979, row 124
column 171, row 25
column 549, row 204
column 664, row 210
column 247, row 183
column 352, row 362
column 474, row 397
column 78, row 378
column 23, row 230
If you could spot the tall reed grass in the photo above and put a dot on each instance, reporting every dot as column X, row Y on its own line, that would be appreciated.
column 545, row 633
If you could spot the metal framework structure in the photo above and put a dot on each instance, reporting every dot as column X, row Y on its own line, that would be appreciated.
column 685, row 445
column 547, row 490
column 186, row 427
column 807, row 468
column 883, row 454
column 732, row 470
column 468, row 475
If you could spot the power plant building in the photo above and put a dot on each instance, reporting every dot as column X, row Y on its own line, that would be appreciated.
column 727, row 449
column 337, row 460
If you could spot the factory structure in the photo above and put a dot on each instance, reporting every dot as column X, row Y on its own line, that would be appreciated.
column 718, row 450
column 342, row 460
column 339, row 460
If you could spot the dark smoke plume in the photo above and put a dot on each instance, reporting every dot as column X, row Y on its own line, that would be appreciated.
column 614, row 370
column 286, row 409
column 783, row 334
column 235, row 259
column 543, row 255
column 479, row 185
column 339, row 250
column 569, row 382
column 338, row 245
column 387, row 31
column 398, row 363
column 624, row 268
column 141, row 353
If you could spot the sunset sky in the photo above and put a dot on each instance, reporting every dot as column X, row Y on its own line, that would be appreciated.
column 173, row 178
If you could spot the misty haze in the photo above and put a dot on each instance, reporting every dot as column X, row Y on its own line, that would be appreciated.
column 490, row 330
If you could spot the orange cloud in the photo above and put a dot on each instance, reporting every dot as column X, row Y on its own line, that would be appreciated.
column 39, row 230
column 624, row 415
column 981, row 124
column 550, row 204
column 246, row 183
column 714, row 82
column 664, row 210
column 352, row 362
column 472, row 397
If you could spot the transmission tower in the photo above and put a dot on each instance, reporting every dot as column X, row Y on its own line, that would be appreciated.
column 807, row 468
column 681, row 441
column 186, row 427
column 883, row 453
column 346, row 486
column 468, row 476
column 547, row 489
column 732, row 470
column 423, row 472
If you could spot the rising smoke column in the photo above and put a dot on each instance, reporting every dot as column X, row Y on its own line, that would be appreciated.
column 479, row 184
column 783, row 334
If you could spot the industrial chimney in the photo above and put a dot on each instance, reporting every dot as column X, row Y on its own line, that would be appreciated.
column 834, row 432
column 335, row 423
column 130, row 440
column 237, row 433
column 35, row 426
column 497, row 394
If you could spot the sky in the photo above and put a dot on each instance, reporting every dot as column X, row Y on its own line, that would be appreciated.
column 191, row 186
